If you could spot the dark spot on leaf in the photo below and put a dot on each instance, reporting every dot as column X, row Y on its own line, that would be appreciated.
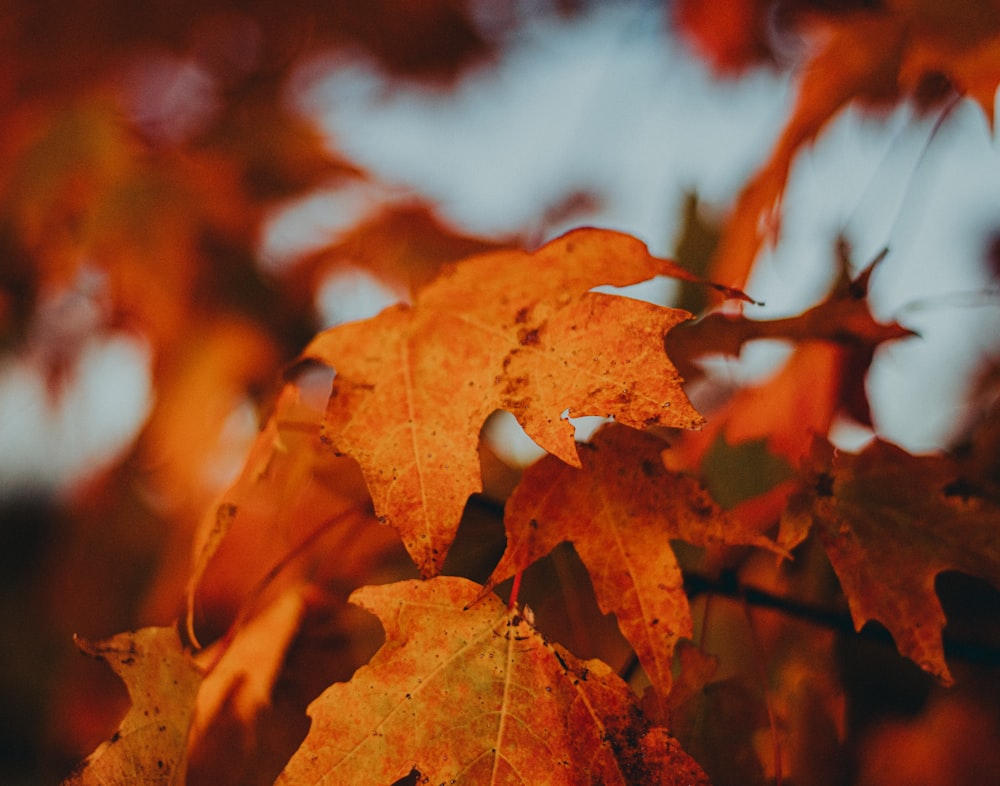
column 528, row 338
column 824, row 485
column 522, row 315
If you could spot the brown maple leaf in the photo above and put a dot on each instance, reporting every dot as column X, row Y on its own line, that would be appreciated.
column 478, row 696
column 890, row 523
column 508, row 330
column 149, row 746
column 620, row 510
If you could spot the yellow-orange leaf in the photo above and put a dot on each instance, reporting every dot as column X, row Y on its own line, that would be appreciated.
column 508, row 330
column 620, row 511
column 295, row 510
column 890, row 523
column 243, row 671
column 478, row 697
column 149, row 746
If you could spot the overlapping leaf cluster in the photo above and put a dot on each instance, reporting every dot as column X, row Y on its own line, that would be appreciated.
column 455, row 691
column 360, row 503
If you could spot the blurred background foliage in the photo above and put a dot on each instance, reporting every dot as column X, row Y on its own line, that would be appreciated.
column 147, row 152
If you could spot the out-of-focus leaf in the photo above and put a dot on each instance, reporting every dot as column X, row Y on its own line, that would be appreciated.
column 890, row 523
column 296, row 511
column 405, row 246
column 873, row 58
column 150, row 745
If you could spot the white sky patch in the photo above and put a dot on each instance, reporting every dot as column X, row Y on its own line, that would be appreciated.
column 931, row 200
column 608, row 104
column 46, row 443
column 605, row 103
column 317, row 220
column 352, row 293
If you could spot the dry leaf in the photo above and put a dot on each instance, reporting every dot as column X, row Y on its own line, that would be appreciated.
column 415, row 384
column 620, row 511
column 890, row 523
column 474, row 697
column 149, row 746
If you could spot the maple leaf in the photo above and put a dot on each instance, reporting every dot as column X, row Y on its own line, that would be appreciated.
column 890, row 523
column 150, row 744
column 619, row 511
column 242, row 671
column 293, row 502
column 478, row 696
column 508, row 330
column 873, row 58
column 835, row 342
column 843, row 317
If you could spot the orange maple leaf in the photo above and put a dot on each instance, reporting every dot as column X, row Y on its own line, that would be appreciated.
column 150, row 744
column 241, row 672
column 474, row 697
column 620, row 511
column 874, row 58
column 835, row 342
column 508, row 330
column 295, row 510
column 890, row 523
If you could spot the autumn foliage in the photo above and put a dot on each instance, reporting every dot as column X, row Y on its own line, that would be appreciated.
column 374, row 594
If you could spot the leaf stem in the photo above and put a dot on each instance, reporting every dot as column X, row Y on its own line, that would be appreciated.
column 515, row 588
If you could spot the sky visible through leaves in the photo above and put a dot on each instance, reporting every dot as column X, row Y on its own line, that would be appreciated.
column 510, row 141
column 291, row 305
